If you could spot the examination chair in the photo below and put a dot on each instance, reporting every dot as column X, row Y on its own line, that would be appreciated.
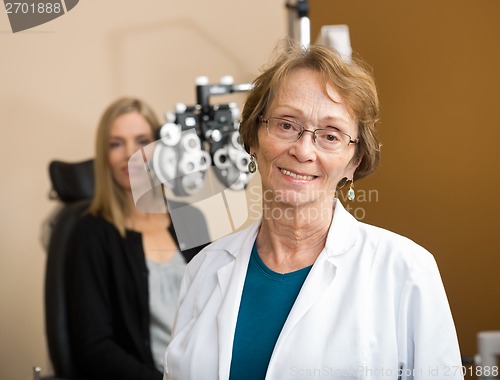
column 72, row 187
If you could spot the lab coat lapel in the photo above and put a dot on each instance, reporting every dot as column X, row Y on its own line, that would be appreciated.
column 231, row 279
column 318, row 282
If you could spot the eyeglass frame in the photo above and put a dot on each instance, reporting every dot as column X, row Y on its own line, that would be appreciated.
column 301, row 133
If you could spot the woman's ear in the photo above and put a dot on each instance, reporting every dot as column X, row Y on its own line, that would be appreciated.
column 253, row 150
column 351, row 168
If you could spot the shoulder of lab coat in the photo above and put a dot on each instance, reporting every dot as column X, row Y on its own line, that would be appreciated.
column 426, row 334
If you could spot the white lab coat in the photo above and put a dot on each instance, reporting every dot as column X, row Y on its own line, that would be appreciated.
column 372, row 307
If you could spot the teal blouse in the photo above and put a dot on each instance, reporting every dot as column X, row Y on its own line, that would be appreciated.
column 266, row 301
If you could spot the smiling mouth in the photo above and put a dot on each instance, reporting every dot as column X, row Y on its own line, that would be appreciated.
column 297, row 176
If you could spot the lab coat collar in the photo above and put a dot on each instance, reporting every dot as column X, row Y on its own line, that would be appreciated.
column 243, row 240
column 342, row 233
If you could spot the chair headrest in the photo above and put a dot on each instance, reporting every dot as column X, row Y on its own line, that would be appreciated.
column 72, row 181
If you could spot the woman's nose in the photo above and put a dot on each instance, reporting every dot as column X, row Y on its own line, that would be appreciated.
column 130, row 149
column 305, row 147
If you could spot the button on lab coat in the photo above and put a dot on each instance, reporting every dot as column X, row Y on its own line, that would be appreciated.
column 372, row 307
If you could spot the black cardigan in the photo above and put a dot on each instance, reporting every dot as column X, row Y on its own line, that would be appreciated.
column 109, row 305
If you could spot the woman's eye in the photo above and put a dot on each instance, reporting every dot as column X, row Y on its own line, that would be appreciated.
column 144, row 142
column 114, row 144
column 331, row 137
column 287, row 126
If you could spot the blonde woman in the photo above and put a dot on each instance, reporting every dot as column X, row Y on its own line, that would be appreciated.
column 126, row 265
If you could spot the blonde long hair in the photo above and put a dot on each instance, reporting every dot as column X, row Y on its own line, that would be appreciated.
column 110, row 200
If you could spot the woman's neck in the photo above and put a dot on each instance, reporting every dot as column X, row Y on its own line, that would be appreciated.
column 291, row 238
column 141, row 221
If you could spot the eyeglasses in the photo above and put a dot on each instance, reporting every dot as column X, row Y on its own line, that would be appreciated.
column 328, row 139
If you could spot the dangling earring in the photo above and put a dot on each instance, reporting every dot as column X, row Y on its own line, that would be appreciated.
column 252, row 166
column 351, row 194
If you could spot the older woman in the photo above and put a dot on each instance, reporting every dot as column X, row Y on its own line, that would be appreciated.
column 308, row 291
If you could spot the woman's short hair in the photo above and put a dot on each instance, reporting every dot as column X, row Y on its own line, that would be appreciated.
column 110, row 199
column 353, row 80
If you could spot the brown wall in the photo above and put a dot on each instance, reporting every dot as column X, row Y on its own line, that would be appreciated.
column 437, row 66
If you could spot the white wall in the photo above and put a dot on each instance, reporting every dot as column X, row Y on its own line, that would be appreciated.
column 56, row 79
